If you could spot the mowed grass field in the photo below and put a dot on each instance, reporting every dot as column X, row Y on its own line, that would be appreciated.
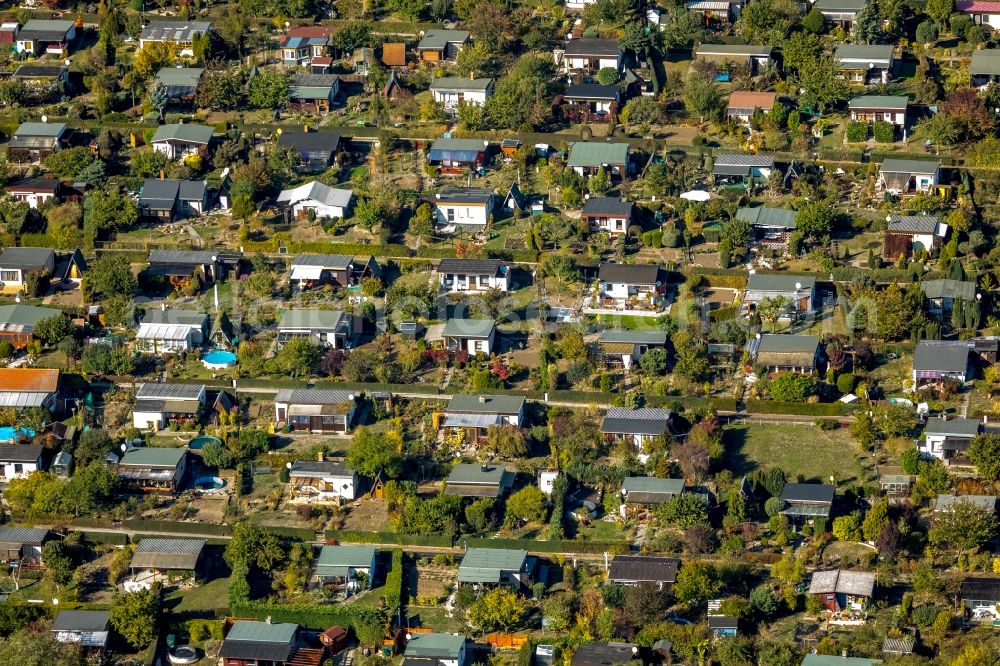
column 798, row 449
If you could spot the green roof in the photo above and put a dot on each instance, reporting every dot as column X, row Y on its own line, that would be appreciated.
column 613, row 335
column 40, row 129
column 986, row 61
column 734, row 49
column 468, row 328
column 764, row 216
column 894, row 102
column 464, row 473
column 460, row 83
column 179, row 76
column 840, row 5
column 872, row 53
column 153, row 456
column 354, row 556
column 485, row 565
column 183, row 132
column 309, row 92
column 436, row 40
column 434, row 645
column 319, row 319
column 894, row 165
column 779, row 282
column 458, row 145
column 45, row 25
column 595, row 154
column 778, row 343
column 23, row 316
column 486, row 404
column 262, row 632
column 830, row 660
column 948, row 289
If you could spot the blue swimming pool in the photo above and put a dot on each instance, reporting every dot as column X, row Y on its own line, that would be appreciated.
column 8, row 433
column 199, row 442
column 219, row 359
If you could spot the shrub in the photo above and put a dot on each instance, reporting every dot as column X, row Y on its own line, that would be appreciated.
column 857, row 132
column 846, row 382
column 394, row 582
column 671, row 238
column 927, row 32
column 885, row 132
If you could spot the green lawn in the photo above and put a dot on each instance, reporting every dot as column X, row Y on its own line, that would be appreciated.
column 798, row 449
column 212, row 595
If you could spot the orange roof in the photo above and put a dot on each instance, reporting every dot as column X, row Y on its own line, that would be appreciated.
column 394, row 54
column 746, row 99
column 29, row 380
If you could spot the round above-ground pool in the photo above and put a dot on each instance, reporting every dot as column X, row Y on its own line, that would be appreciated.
column 199, row 443
column 182, row 654
column 210, row 484
column 219, row 359
column 8, row 433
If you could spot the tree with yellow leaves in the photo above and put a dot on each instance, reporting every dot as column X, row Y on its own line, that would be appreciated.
column 154, row 56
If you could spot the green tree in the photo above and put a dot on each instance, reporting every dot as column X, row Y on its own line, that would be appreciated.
column 762, row 598
column 216, row 455
column 527, row 504
column 298, row 357
column 691, row 356
column 822, row 84
column 522, row 97
column 53, row 329
column 373, row 451
column 772, row 308
column 685, row 510
column 254, row 547
column 847, row 528
column 792, row 387
column 106, row 210
column 599, row 183
column 133, row 616
column 640, row 110
column 701, row 96
column 963, row 526
column 697, row 582
column 940, row 11
column 815, row 220
column 984, row 453
column 66, row 164
column 867, row 28
column 927, row 32
column 607, row 76
column 737, row 232
column 30, row 647
column 111, row 275
column 94, row 445
column 654, row 362
column 499, row 608
column 90, row 488
column 268, row 90
column 506, row 441
column 813, row 22
column 875, row 520
column 58, row 562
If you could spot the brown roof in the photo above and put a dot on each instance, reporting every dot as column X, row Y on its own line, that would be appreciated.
column 309, row 31
column 394, row 54
column 746, row 99
column 35, row 380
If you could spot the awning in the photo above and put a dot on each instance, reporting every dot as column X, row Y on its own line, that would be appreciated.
column 315, row 410
column 21, row 400
column 307, row 272
column 163, row 332
column 617, row 347
column 471, row 420
column 171, row 270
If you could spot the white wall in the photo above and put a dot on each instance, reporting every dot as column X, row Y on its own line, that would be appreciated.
column 615, row 290
column 141, row 420
column 468, row 283
column 8, row 470
column 322, row 209
column 462, row 214
column 451, row 98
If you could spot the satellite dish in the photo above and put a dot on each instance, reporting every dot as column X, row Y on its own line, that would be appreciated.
column 45, row 119
column 798, row 285
column 66, row 62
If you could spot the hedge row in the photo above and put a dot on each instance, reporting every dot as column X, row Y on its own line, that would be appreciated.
column 311, row 617
column 354, row 536
column 176, row 527
column 113, row 538
column 563, row 546
column 800, row 408
column 394, row 582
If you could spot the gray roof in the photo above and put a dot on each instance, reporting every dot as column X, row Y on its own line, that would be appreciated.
column 46, row 29
column 614, row 335
column 321, row 468
column 192, row 257
column 157, row 553
column 314, row 396
column 464, row 195
column 839, row 581
column 485, row 404
column 33, row 71
column 331, row 261
column 187, row 77
column 154, row 391
column 339, row 560
column 188, row 133
column 15, row 453
column 250, row 641
column 437, row 40
column 26, row 258
column 461, row 83
column 81, row 620
column 839, row 5
column 607, row 206
column 959, row 427
column 174, row 31
column 607, row 48
column 948, row 289
column 470, row 266
column 32, row 536
column 853, row 55
column 593, row 154
column 469, row 328
column 808, row 492
column 175, row 317
column 909, row 166
column 946, row 502
column 162, row 193
column 21, row 318
column 645, row 488
column 589, row 91
column 765, row 216
column 317, row 191
column 986, row 61
column 731, row 159
column 643, row 421
column 604, row 654
column 942, row 356
column 645, row 274
column 629, row 568
column 485, row 565
column 784, row 282
column 771, row 343
column 913, row 224
column 472, row 474
column 332, row 320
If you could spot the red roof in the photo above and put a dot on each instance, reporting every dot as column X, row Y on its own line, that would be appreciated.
column 309, row 31
column 977, row 7
column 31, row 380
